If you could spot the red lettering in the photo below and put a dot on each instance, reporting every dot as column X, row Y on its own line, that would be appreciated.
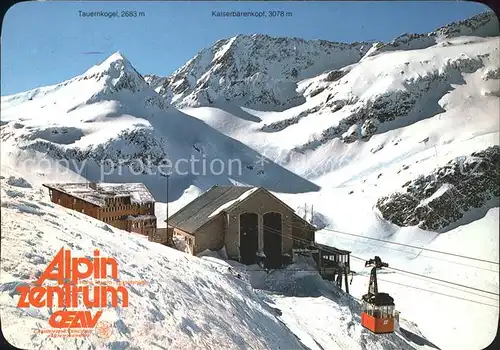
column 50, row 274
column 65, row 317
column 76, row 274
column 23, row 298
column 74, row 319
column 35, row 296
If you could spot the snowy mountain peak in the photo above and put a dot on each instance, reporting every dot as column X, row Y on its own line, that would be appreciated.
column 255, row 70
column 259, row 71
column 117, row 75
column 115, row 63
column 117, row 71
column 114, row 82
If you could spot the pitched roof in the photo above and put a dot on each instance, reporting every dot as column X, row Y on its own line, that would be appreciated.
column 216, row 200
column 203, row 208
column 97, row 193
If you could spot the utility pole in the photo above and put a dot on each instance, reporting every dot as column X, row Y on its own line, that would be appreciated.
column 166, row 218
column 312, row 213
column 168, row 175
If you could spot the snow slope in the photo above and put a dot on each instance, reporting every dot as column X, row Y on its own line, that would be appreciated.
column 432, row 105
column 109, row 125
column 432, row 80
column 186, row 302
column 452, row 317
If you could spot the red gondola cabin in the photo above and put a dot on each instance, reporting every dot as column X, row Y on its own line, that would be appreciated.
column 378, row 308
column 378, row 313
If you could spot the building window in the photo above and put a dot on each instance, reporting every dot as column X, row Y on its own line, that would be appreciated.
column 74, row 200
column 83, row 210
column 58, row 200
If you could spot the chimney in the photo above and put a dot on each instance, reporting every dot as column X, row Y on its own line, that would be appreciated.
column 93, row 185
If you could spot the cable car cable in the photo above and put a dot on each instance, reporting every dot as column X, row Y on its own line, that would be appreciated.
column 395, row 269
column 270, row 229
column 409, row 246
column 437, row 279
column 444, row 294
column 415, row 247
column 407, row 286
column 433, row 278
column 419, row 255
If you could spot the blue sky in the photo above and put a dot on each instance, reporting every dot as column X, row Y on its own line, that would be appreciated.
column 44, row 43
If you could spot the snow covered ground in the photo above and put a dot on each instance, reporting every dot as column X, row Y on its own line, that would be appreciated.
column 353, row 176
column 186, row 302
column 448, row 315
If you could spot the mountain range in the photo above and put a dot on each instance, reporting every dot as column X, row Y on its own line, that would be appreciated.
column 395, row 141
